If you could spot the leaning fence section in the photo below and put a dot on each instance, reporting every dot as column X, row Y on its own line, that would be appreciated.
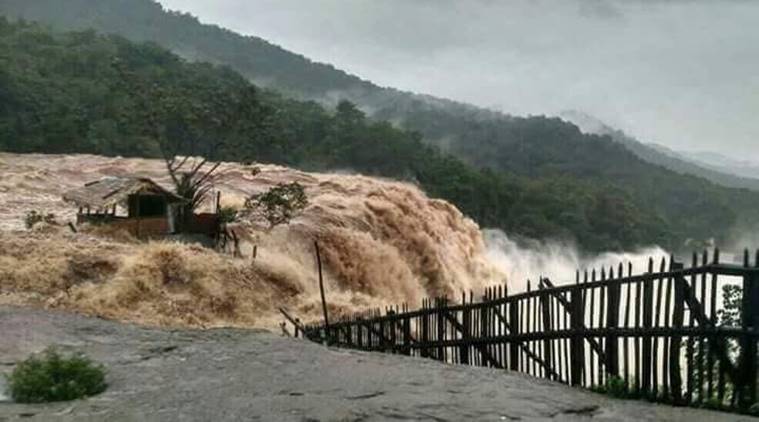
column 684, row 335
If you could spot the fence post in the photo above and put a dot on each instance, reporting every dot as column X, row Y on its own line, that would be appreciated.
column 484, row 329
column 382, row 335
column 577, row 321
column 406, row 334
column 466, row 332
column 514, row 331
column 375, row 340
column 359, row 332
column 425, row 351
column 648, row 304
column 612, row 322
column 545, row 304
column 440, row 323
column 394, row 332
column 678, row 314
column 749, row 323
column 370, row 343
column 321, row 284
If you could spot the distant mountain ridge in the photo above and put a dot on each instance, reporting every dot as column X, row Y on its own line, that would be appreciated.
column 264, row 63
column 721, row 162
column 482, row 137
column 84, row 92
column 711, row 166
column 614, row 195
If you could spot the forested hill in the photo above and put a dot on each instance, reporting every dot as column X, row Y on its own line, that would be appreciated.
column 74, row 93
column 481, row 137
column 62, row 93
column 263, row 63
column 145, row 20
column 663, row 156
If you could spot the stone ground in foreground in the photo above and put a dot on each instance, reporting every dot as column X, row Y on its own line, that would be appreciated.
column 225, row 374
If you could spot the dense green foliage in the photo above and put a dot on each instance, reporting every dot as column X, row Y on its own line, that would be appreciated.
column 146, row 20
column 576, row 184
column 464, row 127
column 74, row 92
column 542, row 147
column 51, row 377
column 280, row 204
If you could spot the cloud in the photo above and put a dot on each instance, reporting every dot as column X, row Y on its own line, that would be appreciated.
column 599, row 9
column 683, row 73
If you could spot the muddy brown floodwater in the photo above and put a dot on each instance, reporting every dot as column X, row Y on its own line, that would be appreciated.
column 384, row 242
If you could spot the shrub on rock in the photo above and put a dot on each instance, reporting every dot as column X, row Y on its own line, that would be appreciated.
column 51, row 377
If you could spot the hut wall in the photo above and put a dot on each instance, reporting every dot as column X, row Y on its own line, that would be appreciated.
column 148, row 227
column 205, row 223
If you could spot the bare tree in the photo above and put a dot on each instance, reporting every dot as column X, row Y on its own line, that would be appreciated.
column 191, row 126
column 193, row 181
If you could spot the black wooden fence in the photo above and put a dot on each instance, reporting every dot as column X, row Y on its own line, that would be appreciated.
column 664, row 335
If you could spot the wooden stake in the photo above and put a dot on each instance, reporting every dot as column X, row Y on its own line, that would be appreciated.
column 294, row 321
column 321, row 284
column 139, row 218
column 236, row 253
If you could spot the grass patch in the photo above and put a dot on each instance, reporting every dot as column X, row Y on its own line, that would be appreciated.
column 615, row 387
column 50, row 377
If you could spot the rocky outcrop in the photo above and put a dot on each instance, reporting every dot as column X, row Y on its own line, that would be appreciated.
column 231, row 374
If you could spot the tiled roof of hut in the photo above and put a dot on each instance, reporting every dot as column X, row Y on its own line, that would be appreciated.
column 110, row 191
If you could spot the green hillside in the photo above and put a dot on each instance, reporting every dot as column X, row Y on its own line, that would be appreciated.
column 145, row 20
column 481, row 137
column 536, row 176
column 665, row 157
column 469, row 132
column 67, row 93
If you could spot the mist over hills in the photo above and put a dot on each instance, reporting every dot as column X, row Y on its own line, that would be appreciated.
column 82, row 92
column 722, row 163
column 532, row 176
column 714, row 167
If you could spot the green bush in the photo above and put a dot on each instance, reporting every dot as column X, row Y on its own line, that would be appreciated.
column 617, row 387
column 32, row 218
column 228, row 215
column 279, row 204
column 50, row 377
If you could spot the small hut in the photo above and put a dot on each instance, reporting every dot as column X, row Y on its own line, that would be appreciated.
column 137, row 205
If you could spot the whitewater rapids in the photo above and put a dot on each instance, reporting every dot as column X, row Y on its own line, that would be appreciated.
column 383, row 242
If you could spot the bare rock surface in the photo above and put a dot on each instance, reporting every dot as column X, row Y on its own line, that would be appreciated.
column 232, row 374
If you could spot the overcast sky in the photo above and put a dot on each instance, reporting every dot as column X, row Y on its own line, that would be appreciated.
column 683, row 73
